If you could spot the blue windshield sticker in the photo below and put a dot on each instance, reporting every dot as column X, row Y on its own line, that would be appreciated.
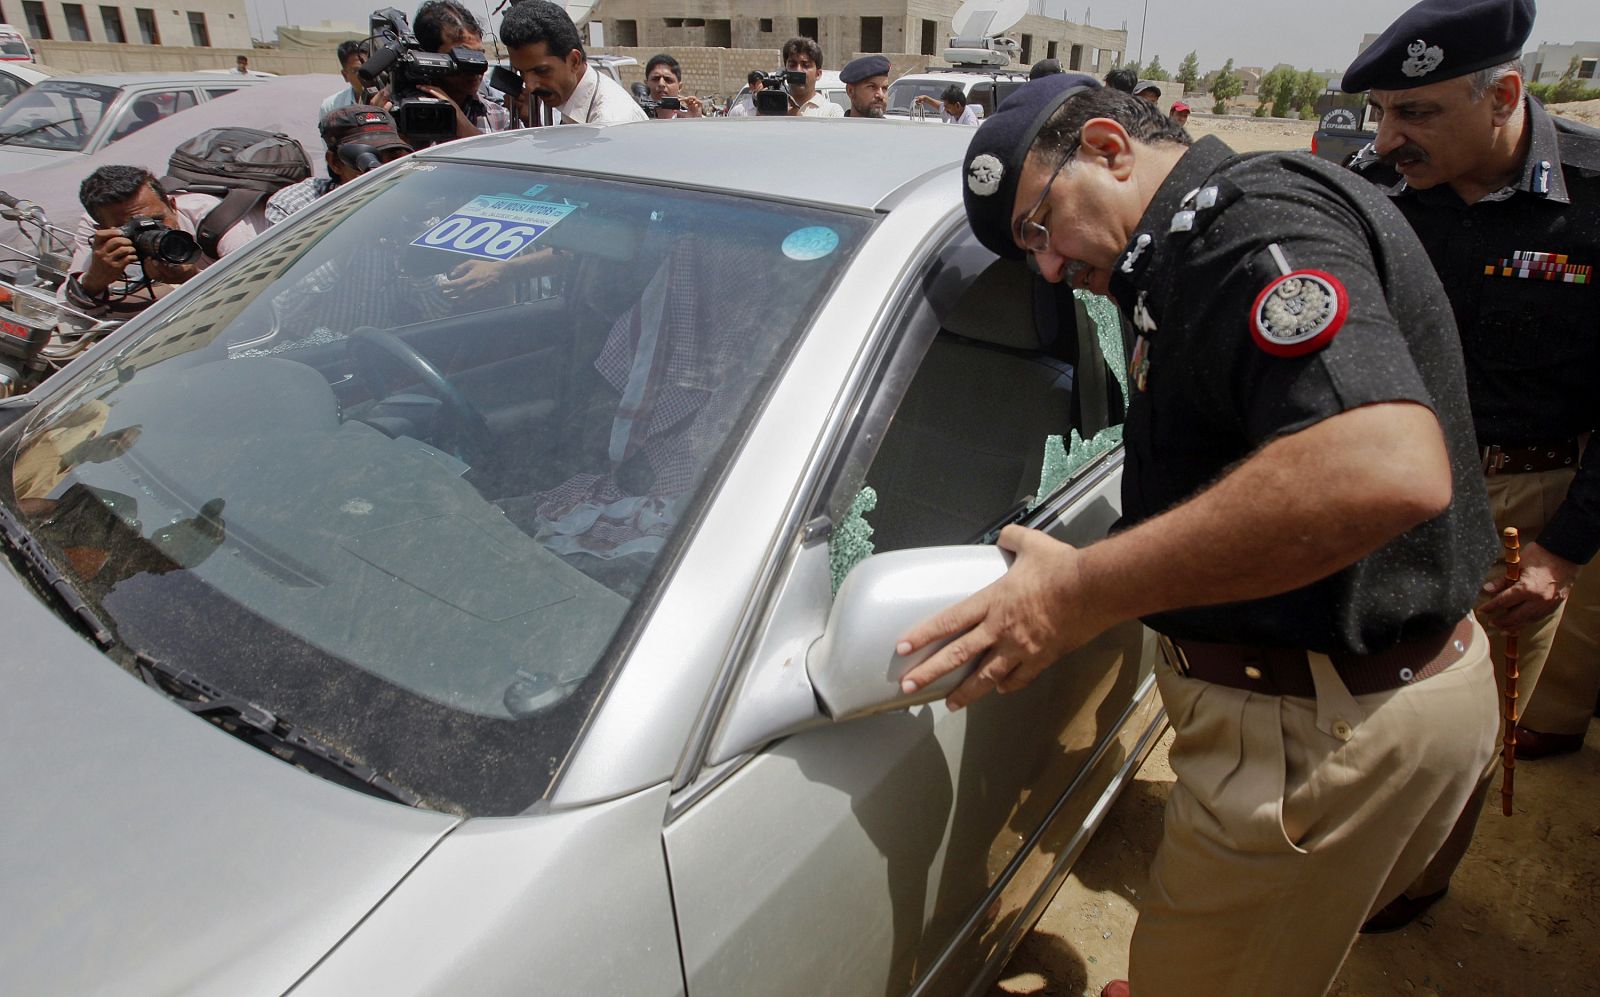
column 493, row 227
column 812, row 243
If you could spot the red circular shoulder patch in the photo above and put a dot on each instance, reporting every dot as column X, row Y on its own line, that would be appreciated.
column 1299, row 313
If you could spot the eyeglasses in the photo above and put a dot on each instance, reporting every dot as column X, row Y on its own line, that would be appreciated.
column 1031, row 235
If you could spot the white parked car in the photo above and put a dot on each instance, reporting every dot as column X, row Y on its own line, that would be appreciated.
column 985, row 89
column 71, row 116
column 16, row 77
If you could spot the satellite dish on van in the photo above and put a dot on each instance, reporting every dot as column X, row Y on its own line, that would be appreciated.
column 987, row 18
column 579, row 11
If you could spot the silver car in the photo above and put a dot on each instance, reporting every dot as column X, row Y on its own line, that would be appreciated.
column 71, row 116
column 488, row 582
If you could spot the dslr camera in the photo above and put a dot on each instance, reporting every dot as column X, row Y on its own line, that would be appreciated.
column 153, row 240
column 641, row 96
column 774, row 96
column 399, row 62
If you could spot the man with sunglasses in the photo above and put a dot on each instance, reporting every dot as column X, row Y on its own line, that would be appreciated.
column 1303, row 523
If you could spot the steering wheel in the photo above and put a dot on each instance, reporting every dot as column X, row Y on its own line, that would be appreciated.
column 371, row 349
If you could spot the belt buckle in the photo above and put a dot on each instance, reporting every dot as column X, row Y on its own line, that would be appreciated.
column 1494, row 460
column 1173, row 655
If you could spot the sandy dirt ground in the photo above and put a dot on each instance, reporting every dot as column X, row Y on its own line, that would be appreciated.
column 1521, row 917
column 1523, row 914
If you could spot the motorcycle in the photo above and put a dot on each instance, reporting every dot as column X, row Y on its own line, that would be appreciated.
column 39, row 334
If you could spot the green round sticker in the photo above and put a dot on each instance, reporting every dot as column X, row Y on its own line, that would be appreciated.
column 812, row 243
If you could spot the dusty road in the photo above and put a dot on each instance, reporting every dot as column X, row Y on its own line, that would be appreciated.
column 1523, row 914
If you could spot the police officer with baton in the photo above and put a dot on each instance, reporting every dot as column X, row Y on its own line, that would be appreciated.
column 1506, row 201
column 1304, row 522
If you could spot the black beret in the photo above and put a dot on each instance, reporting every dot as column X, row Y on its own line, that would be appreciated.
column 864, row 68
column 994, row 158
column 1441, row 40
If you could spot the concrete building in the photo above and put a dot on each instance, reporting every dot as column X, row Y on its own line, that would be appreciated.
column 844, row 28
column 181, row 23
column 1550, row 62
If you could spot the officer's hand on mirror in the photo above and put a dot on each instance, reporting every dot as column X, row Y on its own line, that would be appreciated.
column 1013, row 629
column 1545, row 583
column 113, row 254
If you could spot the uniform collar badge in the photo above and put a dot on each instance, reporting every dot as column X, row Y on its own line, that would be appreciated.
column 1424, row 59
column 1130, row 259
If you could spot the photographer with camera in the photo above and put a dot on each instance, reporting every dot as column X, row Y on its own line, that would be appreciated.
column 546, row 49
column 663, row 79
column 131, row 223
column 358, row 138
column 432, row 80
column 802, row 65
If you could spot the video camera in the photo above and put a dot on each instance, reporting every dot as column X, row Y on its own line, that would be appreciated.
column 641, row 96
column 399, row 62
column 774, row 96
column 153, row 240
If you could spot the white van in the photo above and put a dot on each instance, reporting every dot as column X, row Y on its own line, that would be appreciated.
column 14, row 45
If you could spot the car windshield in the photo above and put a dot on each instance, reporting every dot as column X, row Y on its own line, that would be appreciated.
column 410, row 474
column 14, row 45
column 55, row 114
column 903, row 92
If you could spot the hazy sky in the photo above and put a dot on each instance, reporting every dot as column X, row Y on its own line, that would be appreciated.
column 1315, row 34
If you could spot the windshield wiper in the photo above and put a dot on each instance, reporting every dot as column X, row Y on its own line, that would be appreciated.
column 264, row 729
column 8, row 136
column 54, row 579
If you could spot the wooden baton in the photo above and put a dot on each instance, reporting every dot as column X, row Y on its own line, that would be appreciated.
column 1508, row 753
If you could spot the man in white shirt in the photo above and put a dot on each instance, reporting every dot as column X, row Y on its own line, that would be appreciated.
column 805, row 55
column 351, row 55
column 546, row 49
column 744, row 106
column 952, row 105
column 113, row 196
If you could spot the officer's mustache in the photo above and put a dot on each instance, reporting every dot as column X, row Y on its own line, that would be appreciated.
column 1405, row 152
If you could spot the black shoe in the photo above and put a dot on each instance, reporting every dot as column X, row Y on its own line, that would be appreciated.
column 1399, row 912
column 1533, row 744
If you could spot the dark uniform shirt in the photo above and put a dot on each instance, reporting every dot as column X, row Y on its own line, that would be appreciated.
column 1520, row 269
column 1191, row 281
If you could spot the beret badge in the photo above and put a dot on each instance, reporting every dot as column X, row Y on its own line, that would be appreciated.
column 1423, row 60
column 983, row 175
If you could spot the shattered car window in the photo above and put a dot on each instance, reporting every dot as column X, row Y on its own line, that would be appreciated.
column 405, row 472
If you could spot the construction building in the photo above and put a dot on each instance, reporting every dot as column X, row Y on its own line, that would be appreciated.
column 190, row 24
column 844, row 29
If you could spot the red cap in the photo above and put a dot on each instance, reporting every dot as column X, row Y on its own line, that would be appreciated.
column 1179, row 105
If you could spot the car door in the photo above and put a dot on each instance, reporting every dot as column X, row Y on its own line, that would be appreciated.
column 903, row 851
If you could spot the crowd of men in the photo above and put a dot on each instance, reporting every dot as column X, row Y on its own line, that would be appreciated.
column 1344, row 381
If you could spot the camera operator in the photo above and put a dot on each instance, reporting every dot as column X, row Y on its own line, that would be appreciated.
column 441, row 27
column 663, row 79
column 130, row 221
column 546, row 49
column 744, row 106
column 358, row 138
column 866, row 82
column 805, row 56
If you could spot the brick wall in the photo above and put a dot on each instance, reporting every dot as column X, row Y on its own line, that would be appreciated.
column 107, row 57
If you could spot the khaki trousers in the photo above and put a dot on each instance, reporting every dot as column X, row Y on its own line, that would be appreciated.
column 1570, row 682
column 1293, row 819
column 1526, row 501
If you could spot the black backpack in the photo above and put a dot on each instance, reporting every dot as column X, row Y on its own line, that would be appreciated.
column 243, row 166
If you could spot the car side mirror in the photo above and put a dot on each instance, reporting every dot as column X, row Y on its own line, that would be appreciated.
column 853, row 668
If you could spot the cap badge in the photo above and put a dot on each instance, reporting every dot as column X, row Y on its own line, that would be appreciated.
column 983, row 175
column 1424, row 59
column 1299, row 313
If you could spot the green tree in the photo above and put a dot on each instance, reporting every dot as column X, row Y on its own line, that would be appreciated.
column 1133, row 64
column 1225, row 87
column 1189, row 72
column 1308, row 87
column 1275, row 89
column 1154, row 71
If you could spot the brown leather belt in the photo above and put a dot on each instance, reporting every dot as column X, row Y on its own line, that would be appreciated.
column 1499, row 459
column 1281, row 671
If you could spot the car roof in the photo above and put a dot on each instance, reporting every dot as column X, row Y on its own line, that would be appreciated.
column 122, row 80
column 867, row 166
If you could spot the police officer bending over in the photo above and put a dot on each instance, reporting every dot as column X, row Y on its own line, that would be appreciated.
column 1303, row 521
column 1506, row 201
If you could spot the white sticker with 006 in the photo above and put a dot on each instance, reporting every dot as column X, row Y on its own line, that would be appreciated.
column 491, row 227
